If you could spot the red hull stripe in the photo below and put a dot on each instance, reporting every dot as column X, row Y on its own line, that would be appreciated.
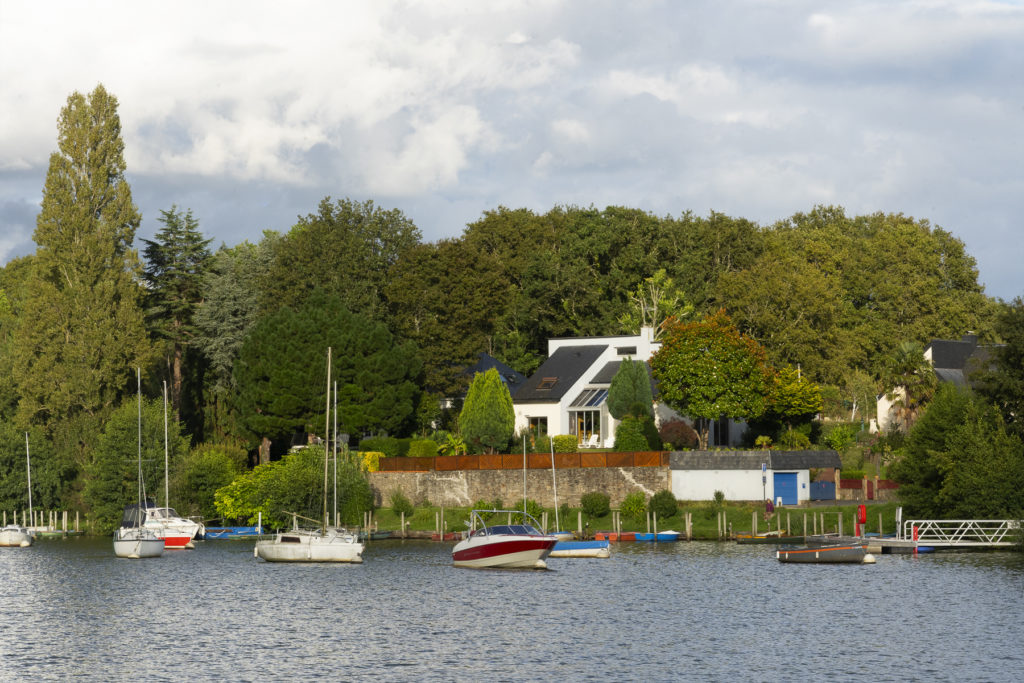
column 176, row 541
column 496, row 549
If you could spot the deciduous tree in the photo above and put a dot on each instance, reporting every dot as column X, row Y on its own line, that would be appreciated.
column 708, row 370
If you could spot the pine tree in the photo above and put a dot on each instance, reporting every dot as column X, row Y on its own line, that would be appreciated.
column 630, row 391
column 82, row 330
column 176, row 263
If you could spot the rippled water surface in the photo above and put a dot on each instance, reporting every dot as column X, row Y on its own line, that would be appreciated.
column 684, row 611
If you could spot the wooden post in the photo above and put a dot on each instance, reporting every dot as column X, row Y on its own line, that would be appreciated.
column 76, row 520
column 655, row 526
column 437, row 523
column 879, row 523
column 805, row 525
column 719, row 521
column 5, row 517
column 579, row 522
column 442, row 522
column 648, row 521
column 689, row 526
column 544, row 520
column 839, row 521
column 788, row 533
column 753, row 523
column 778, row 523
column 402, row 522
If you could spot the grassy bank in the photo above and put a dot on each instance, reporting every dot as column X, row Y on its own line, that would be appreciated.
column 703, row 517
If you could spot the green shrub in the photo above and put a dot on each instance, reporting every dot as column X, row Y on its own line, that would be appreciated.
column 400, row 504
column 841, row 437
column 563, row 512
column 565, row 443
column 422, row 448
column 851, row 474
column 630, row 436
column 533, row 508
column 403, row 446
column 664, row 504
column 635, row 505
column 793, row 440
column 678, row 434
column 595, row 504
column 387, row 445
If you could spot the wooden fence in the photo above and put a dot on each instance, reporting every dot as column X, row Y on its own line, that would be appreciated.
column 534, row 461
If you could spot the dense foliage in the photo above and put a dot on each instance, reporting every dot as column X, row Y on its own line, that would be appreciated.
column 630, row 391
column 595, row 504
column 664, row 504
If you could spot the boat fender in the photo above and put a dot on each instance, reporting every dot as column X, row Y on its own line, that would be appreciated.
column 255, row 552
column 868, row 559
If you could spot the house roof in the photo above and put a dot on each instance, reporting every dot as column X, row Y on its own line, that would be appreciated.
column 955, row 360
column 557, row 374
column 485, row 362
column 751, row 460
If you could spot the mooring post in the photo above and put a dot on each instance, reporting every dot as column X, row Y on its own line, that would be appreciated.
column 879, row 524
column 579, row 522
column 648, row 521
column 839, row 518
column 753, row 523
column 76, row 521
column 402, row 522
column 655, row 526
column 788, row 532
column 719, row 521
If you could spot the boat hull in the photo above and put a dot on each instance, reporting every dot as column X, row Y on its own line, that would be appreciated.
column 837, row 554
column 15, row 537
column 511, row 552
column 291, row 547
column 137, row 544
column 598, row 549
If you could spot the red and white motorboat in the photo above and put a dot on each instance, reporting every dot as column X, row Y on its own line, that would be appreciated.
column 177, row 532
column 503, row 545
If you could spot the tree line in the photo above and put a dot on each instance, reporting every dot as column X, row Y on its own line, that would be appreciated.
column 239, row 333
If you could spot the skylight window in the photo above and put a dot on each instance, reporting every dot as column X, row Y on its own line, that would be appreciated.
column 546, row 383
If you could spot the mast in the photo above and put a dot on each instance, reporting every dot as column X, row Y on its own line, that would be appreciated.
column 167, row 496
column 554, row 485
column 327, row 432
column 335, row 452
column 524, row 478
column 28, row 470
column 138, row 382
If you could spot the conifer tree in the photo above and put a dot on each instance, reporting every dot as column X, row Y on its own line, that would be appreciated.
column 175, row 265
column 487, row 418
column 81, row 330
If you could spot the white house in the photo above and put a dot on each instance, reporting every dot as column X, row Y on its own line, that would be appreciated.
column 748, row 475
column 568, row 392
column 952, row 361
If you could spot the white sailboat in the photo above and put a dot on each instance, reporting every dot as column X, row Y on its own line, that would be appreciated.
column 15, row 535
column 176, row 531
column 326, row 544
column 132, row 539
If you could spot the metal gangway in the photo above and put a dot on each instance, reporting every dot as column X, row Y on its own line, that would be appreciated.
column 961, row 533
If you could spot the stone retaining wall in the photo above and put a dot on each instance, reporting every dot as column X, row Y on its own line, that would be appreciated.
column 462, row 488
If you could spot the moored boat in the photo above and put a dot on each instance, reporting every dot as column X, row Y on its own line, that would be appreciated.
column 176, row 531
column 16, row 536
column 660, row 537
column 581, row 549
column 503, row 545
column 769, row 537
column 843, row 553
column 615, row 536
column 132, row 539
column 302, row 545
column 223, row 532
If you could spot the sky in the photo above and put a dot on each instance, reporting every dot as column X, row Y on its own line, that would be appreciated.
column 250, row 113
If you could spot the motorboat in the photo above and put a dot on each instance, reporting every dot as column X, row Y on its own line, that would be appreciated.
column 503, row 545
column 176, row 531
column 16, row 536
column 318, row 545
column 659, row 537
column 133, row 539
column 839, row 553
column 581, row 549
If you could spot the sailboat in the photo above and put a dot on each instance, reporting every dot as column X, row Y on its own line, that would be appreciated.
column 132, row 539
column 165, row 522
column 326, row 544
column 15, row 535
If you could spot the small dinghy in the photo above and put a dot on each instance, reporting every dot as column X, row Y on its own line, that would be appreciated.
column 837, row 554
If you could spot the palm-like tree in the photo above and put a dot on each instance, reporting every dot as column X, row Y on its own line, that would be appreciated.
column 912, row 380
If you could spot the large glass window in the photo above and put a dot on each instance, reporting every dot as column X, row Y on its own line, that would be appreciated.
column 586, row 425
column 538, row 426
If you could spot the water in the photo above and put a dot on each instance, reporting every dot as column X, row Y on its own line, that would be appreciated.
column 684, row 611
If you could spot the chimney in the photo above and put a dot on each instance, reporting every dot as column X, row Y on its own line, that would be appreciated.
column 971, row 338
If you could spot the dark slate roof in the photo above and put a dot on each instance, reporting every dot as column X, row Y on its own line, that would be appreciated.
column 566, row 365
column 751, row 460
column 956, row 361
column 485, row 362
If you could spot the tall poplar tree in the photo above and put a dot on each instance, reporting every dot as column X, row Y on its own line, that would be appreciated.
column 81, row 330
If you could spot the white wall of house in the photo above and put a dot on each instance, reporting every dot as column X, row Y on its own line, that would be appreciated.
column 735, row 484
column 885, row 411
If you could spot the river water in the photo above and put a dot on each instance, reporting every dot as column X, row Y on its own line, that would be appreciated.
column 682, row 611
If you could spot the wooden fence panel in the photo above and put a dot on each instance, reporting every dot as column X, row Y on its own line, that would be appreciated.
column 593, row 460
column 489, row 462
column 619, row 459
column 650, row 459
column 467, row 462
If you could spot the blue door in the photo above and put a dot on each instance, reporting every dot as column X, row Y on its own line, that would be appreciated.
column 785, row 487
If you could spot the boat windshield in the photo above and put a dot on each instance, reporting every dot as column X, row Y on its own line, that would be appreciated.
column 511, row 530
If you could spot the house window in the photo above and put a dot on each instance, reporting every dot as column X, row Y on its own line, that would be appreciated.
column 538, row 426
column 586, row 425
column 546, row 383
column 590, row 398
